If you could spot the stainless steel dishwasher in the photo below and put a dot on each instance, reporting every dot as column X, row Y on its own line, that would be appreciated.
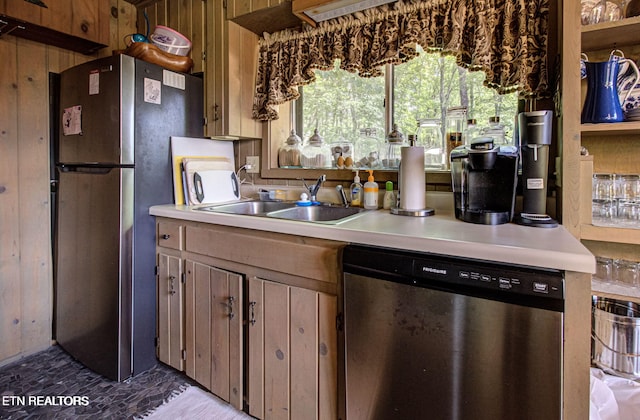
column 435, row 337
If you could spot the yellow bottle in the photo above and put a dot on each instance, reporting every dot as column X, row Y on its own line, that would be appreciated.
column 370, row 192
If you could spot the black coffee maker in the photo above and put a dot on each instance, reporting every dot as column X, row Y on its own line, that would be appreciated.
column 534, row 132
column 484, row 179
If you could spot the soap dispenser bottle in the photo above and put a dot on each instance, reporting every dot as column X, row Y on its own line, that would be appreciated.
column 389, row 199
column 370, row 192
column 356, row 191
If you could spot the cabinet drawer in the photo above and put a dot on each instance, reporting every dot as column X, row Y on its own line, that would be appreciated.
column 316, row 259
column 170, row 235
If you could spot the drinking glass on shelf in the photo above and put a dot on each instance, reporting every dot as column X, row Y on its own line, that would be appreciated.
column 628, row 214
column 604, row 269
column 602, row 185
column 627, row 187
column 626, row 272
column 604, row 212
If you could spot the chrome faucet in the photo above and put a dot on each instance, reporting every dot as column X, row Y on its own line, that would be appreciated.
column 313, row 191
column 343, row 196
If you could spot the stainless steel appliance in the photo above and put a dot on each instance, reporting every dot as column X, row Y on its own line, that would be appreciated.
column 429, row 336
column 484, row 177
column 113, row 162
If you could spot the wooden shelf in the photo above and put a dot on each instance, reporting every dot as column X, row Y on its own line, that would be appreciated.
column 610, row 234
column 629, row 127
column 615, row 291
column 611, row 34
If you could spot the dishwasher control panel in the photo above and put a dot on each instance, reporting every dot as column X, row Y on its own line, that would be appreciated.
column 511, row 279
column 530, row 286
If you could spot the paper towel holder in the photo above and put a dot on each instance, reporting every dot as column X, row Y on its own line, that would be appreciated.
column 408, row 212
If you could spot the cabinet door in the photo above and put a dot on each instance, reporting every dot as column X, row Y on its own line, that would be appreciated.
column 292, row 352
column 214, row 330
column 84, row 19
column 170, row 306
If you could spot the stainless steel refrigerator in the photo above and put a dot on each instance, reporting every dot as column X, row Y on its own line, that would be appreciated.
column 116, row 116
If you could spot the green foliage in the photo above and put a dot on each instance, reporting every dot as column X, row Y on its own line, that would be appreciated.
column 339, row 104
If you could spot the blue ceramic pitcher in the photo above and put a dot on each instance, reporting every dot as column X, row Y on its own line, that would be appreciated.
column 603, row 104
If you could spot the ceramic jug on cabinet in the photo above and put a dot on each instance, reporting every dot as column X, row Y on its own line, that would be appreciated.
column 603, row 104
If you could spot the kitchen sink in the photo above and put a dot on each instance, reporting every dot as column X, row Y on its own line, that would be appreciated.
column 322, row 214
column 250, row 207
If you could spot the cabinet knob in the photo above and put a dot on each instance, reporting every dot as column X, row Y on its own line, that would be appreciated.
column 165, row 236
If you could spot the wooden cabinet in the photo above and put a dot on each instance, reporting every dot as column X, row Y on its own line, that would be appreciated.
column 214, row 314
column 260, row 316
column 292, row 352
column 613, row 148
column 261, row 16
column 78, row 25
column 230, row 76
column 170, row 330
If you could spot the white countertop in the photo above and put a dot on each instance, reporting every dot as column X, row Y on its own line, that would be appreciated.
column 440, row 234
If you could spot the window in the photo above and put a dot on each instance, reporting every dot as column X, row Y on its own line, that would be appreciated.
column 346, row 107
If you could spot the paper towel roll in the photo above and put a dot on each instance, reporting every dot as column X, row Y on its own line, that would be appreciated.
column 412, row 179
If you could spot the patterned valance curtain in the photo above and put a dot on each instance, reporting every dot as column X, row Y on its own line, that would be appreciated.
column 507, row 39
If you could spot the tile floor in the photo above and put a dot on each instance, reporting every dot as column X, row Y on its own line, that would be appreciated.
column 53, row 372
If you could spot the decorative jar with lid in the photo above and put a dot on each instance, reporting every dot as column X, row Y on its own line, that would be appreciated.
column 395, row 142
column 368, row 149
column 316, row 153
column 290, row 152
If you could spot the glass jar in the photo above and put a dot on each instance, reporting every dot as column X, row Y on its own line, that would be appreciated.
column 472, row 131
column 368, row 149
column 289, row 153
column 395, row 143
column 316, row 154
column 495, row 130
column 429, row 135
column 456, row 121
column 342, row 154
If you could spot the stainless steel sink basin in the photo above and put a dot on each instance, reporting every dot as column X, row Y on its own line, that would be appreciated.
column 249, row 207
column 321, row 214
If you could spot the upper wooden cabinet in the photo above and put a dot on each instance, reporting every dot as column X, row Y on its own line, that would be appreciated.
column 261, row 16
column 77, row 25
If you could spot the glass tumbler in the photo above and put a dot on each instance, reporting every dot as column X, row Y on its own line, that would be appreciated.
column 604, row 212
column 604, row 269
column 626, row 272
column 602, row 186
column 628, row 214
column 627, row 187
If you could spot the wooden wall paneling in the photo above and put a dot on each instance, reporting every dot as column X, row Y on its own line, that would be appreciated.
column 10, row 290
column 33, row 174
column 198, row 38
column 123, row 24
column 173, row 14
